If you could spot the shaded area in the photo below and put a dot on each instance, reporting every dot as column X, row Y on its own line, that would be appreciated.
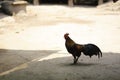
column 76, row 2
column 88, row 2
column 12, row 58
column 53, row 1
column 2, row 15
column 106, row 68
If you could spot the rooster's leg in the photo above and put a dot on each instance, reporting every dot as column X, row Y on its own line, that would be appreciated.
column 74, row 59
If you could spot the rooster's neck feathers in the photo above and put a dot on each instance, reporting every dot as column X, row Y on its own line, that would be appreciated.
column 69, row 41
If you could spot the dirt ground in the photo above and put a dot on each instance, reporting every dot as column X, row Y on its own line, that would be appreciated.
column 43, row 27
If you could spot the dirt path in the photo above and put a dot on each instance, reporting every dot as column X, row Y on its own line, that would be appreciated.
column 44, row 27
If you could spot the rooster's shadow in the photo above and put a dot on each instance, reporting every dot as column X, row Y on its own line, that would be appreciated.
column 80, row 64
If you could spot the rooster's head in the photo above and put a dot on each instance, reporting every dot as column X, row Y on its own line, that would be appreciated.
column 66, row 35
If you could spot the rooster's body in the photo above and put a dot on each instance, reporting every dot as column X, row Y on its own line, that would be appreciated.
column 76, row 49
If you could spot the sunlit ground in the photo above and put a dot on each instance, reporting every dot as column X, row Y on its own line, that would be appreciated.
column 27, row 37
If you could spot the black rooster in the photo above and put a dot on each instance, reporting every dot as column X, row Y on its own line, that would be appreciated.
column 76, row 49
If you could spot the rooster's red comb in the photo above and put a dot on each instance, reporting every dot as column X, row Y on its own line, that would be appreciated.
column 67, row 34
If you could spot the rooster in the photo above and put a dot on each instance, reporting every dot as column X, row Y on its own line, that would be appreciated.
column 76, row 49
